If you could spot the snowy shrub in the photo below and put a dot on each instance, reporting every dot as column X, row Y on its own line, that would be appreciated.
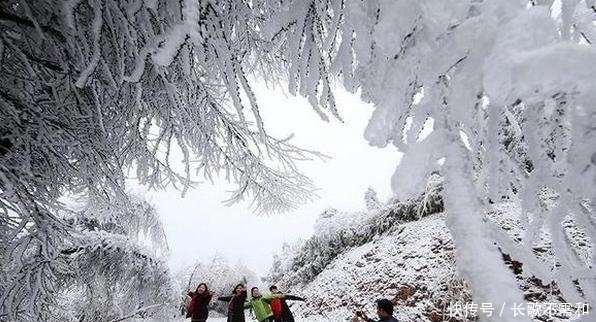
column 431, row 201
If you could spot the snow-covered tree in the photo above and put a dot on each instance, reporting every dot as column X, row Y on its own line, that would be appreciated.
column 110, row 265
column 505, row 88
column 219, row 274
column 90, row 90
column 371, row 200
column 283, row 263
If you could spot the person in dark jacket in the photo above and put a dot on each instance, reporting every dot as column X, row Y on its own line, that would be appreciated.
column 384, row 311
column 199, row 299
column 280, row 308
column 236, row 304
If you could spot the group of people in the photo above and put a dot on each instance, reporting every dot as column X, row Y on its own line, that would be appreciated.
column 267, row 308
column 270, row 307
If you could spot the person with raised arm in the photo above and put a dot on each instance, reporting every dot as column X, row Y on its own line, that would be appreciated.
column 261, row 304
column 281, row 309
column 199, row 299
column 236, row 304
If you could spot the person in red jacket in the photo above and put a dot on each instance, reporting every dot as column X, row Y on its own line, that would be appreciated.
column 199, row 299
column 279, row 307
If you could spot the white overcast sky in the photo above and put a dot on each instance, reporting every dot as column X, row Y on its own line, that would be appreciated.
column 199, row 225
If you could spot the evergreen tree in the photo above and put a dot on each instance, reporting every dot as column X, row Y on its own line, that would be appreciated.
column 371, row 200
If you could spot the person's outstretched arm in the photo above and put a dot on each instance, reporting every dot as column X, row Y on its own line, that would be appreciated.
column 224, row 298
column 270, row 297
column 294, row 298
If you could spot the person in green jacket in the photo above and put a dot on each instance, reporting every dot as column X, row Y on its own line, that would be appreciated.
column 260, row 304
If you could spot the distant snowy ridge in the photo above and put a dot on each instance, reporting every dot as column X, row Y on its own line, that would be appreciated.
column 335, row 232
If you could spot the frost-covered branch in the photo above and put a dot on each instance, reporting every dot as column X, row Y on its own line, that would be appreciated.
column 94, row 90
column 502, row 88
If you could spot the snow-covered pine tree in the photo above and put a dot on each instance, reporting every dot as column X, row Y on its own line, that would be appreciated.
column 371, row 200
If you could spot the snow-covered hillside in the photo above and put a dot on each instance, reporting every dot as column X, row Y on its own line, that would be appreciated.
column 417, row 257
column 414, row 265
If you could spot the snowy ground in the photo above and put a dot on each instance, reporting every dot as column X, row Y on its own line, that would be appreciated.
column 211, row 319
column 218, row 320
